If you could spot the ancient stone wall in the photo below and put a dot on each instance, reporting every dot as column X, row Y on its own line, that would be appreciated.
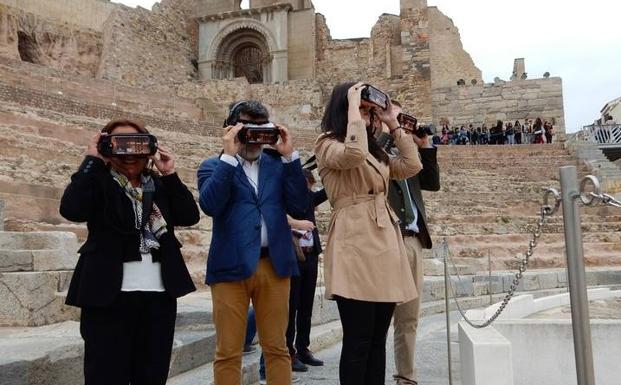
column 63, row 104
column 449, row 61
column 339, row 60
column 90, row 14
column 147, row 49
column 507, row 101
column 51, row 81
column 32, row 38
column 297, row 104
column 414, row 88
column 301, row 53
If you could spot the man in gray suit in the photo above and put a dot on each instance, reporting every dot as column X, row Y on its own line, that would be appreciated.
column 406, row 199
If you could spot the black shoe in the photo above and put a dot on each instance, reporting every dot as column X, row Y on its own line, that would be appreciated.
column 308, row 358
column 298, row 366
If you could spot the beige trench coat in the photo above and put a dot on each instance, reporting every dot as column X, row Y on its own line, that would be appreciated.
column 365, row 258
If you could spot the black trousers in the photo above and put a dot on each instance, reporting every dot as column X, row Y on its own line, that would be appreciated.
column 301, row 300
column 129, row 342
column 363, row 355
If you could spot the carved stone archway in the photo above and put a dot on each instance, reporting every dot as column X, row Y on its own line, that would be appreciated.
column 244, row 52
column 245, row 47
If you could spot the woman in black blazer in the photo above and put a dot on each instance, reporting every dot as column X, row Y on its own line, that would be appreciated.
column 130, row 271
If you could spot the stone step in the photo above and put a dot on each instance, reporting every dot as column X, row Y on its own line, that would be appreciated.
column 506, row 163
column 20, row 225
column 38, row 241
column 474, row 250
column 525, row 218
column 529, row 148
column 12, row 260
column 478, row 284
column 56, row 350
column 510, row 228
column 53, row 354
column 322, row 337
column 538, row 261
column 34, row 298
column 495, row 239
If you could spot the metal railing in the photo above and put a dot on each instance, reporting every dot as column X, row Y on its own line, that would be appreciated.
column 587, row 192
column 601, row 134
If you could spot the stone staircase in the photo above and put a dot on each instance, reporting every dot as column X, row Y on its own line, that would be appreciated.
column 35, row 270
column 490, row 201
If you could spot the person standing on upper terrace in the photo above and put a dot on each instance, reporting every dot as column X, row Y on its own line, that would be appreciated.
column 131, row 271
column 248, row 191
column 365, row 262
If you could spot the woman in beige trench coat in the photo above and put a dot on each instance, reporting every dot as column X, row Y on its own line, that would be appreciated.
column 365, row 264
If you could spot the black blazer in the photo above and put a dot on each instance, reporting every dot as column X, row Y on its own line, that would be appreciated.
column 428, row 179
column 315, row 199
column 94, row 197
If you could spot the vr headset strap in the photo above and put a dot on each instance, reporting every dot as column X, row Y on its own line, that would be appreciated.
column 311, row 163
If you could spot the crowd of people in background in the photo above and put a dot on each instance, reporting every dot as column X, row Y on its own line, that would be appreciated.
column 526, row 132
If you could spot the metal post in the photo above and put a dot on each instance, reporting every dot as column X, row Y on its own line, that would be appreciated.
column 489, row 283
column 576, row 277
column 448, row 316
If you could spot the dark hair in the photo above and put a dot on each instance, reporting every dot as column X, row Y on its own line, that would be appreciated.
column 334, row 122
column 254, row 109
column 113, row 124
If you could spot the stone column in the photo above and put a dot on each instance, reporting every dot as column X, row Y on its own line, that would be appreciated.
column 1, row 215
column 206, row 69
column 280, row 66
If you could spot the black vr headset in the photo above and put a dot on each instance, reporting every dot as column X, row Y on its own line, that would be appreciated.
column 264, row 132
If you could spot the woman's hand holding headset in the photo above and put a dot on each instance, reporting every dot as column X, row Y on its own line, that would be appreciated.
column 164, row 161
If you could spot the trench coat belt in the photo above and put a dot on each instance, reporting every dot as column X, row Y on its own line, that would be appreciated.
column 384, row 216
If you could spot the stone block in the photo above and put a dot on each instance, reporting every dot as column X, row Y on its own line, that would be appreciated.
column 548, row 280
column 324, row 310
column 41, row 240
column 433, row 267
column 433, row 289
column 463, row 287
column 485, row 356
column 481, row 284
column 610, row 277
column 15, row 260
column 34, row 299
column 36, row 260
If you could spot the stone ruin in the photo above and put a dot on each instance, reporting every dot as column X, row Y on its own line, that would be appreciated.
column 213, row 52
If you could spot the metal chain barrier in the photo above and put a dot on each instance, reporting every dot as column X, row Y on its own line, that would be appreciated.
column 596, row 196
column 547, row 210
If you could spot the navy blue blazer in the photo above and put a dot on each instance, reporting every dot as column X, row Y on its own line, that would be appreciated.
column 226, row 195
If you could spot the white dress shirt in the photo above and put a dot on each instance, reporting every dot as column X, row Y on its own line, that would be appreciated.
column 144, row 275
column 251, row 169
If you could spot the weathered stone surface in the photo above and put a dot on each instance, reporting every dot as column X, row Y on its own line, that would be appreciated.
column 33, row 298
column 38, row 241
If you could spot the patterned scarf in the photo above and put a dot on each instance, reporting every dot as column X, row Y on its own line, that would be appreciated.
column 155, row 226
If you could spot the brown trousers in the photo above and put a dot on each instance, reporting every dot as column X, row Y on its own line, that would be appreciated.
column 270, row 298
column 406, row 318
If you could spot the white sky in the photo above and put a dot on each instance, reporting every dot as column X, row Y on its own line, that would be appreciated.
column 579, row 41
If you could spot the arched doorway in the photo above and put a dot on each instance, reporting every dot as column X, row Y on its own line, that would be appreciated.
column 248, row 61
column 244, row 52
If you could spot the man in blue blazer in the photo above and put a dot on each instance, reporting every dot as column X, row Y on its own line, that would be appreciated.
column 248, row 191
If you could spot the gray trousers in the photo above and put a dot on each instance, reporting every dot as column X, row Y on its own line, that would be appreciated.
column 406, row 318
